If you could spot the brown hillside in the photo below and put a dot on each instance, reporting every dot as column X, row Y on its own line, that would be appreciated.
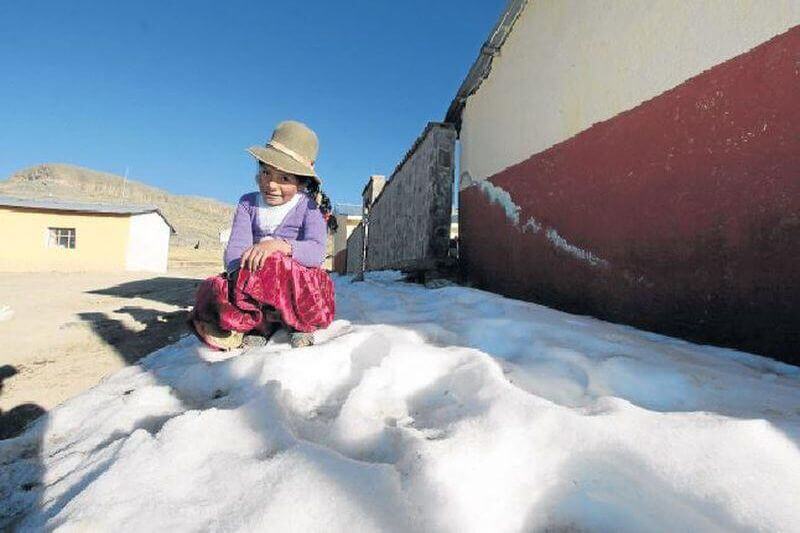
column 194, row 218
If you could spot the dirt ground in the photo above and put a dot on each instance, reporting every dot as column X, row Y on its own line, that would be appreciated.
column 64, row 332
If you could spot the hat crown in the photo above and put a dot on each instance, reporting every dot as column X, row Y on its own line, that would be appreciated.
column 293, row 149
column 298, row 138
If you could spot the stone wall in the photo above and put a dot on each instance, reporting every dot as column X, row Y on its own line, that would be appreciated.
column 355, row 250
column 409, row 223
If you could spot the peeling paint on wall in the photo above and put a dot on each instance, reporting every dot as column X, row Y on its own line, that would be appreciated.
column 498, row 195
column 532, row 226
column 575, row 251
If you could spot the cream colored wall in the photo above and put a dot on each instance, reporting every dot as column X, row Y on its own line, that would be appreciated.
column 346, row 226
column 352, row 223
column 100, row 241
column 328, row 263
column 568, row 64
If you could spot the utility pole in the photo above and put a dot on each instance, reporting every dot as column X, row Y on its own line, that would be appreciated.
column 124, row 184
column 365, row 221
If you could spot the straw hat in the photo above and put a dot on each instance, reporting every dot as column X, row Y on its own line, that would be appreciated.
column 293, row 148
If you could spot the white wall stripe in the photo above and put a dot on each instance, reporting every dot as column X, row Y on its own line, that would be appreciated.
column 498, row 195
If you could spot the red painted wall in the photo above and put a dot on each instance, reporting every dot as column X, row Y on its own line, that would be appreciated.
column 693, row 199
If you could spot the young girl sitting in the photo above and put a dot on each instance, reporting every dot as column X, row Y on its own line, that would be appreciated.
column 273, row 260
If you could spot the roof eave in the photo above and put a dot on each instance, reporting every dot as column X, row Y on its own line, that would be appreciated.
column 81, row 207
column 164, row 218
column 483, row 64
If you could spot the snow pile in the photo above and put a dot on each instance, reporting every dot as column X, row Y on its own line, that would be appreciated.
column 448, row 410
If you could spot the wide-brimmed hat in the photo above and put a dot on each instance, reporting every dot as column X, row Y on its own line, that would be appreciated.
column 293, row 148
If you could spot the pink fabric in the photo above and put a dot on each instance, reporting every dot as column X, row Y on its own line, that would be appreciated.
column 302, row 296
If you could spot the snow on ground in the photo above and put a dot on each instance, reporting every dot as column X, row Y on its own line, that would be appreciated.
column 426, row 410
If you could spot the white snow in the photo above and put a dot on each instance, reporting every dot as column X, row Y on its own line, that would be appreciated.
column 6, row 312
column 422, row 410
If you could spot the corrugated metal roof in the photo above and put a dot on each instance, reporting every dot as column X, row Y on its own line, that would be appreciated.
column 43, row 203
column 350, row 210
column 483, row 64
column 81, row 207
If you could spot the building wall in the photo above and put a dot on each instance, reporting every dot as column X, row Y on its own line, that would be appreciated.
column 346, row 226
column 100, row 244
column 327, row 264
column 354, row 252
column 568, row 64
column 148, row 243
column 373, row 189
column 340, row 261
column 409, row 222
column 638, row 161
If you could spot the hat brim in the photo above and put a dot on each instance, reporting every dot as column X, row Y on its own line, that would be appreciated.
column 276, row 158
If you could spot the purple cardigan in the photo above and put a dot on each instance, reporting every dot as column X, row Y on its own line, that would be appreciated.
column 304, row 229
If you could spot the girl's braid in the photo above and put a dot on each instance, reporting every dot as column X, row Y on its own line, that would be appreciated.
column 312, row 187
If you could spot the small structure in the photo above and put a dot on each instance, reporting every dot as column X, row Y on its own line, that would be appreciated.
column 225, row 235
column 372, row 190
column 348, row 217
column 42, row 235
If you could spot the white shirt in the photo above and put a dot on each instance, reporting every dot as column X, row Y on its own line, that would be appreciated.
column 271, row 216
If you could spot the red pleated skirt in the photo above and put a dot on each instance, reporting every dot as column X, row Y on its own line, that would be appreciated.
column 300, row 297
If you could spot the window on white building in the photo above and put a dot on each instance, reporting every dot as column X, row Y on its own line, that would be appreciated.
column 61, row 238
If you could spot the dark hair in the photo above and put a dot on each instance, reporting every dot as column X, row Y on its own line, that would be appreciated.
column 313, row 190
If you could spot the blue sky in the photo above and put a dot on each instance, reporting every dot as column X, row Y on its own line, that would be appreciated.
column 176, row 90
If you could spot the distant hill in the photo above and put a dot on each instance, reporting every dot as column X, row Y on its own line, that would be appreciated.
column 193, row 217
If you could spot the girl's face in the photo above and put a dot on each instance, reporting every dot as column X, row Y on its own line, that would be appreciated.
column 277, row 187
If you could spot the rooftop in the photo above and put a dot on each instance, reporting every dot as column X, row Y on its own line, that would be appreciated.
column 81, row 207
column 483, row 64
column 350, row 210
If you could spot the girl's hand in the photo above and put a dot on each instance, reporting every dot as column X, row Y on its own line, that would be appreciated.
column 254, row 257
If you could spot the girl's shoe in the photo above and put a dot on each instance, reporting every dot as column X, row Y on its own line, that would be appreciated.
column 254, row 341
column 215, row 337
column 298, row 339
column 259, row 337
